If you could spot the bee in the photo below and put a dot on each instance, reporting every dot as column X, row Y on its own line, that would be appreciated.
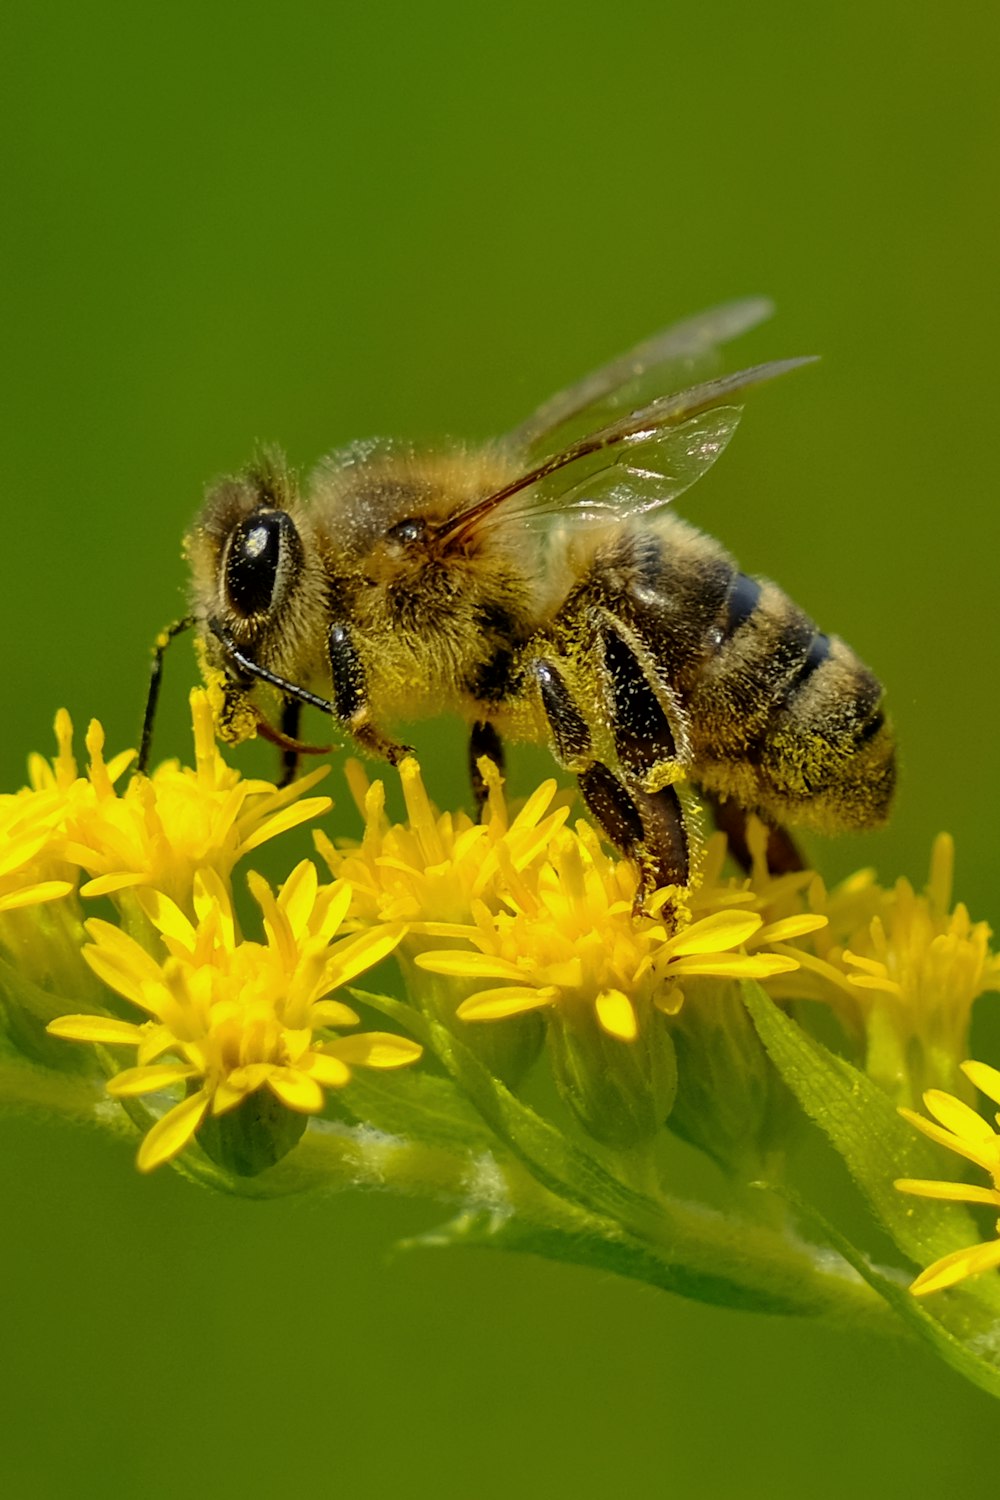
column 539, row 587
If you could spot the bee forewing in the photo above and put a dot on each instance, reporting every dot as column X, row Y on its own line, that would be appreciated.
column 633, row 479
column 668, row 359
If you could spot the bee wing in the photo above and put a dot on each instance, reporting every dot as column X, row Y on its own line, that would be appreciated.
column 634, row 465
column 668, row 360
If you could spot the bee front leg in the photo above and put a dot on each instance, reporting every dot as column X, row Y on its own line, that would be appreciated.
column 483, row 740
column 350, row 697
column 648, row 827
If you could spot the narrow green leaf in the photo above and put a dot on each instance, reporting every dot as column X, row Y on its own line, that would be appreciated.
column 565, row 1168
column 867, row 1130
column 414, row 1103
column 963, row 1354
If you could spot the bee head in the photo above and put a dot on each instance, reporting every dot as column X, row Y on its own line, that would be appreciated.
column 245, row 548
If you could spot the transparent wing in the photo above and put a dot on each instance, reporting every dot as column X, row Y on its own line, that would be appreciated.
column 667, row 361
column 638, row 477
column 630, row 467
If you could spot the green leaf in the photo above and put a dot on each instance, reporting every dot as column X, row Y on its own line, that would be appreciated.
column 601, row 1221
column 878, row 1146
column 867, row 1130
column 961, row 1353
column 562, row 1166
column 406, row 1017
column 414, row 1103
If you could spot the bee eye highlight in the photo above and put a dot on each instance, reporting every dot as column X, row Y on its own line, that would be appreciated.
column 262, row 559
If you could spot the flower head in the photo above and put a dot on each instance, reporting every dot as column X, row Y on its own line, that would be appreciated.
column 166, row 827
column 226, row 1017
column 435, row 867
column 965, row 1132
column 571, row 936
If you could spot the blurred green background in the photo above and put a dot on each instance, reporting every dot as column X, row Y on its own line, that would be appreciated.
column 317, row 222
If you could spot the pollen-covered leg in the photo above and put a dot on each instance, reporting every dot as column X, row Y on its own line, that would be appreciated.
column 350, row 698
column 483, row 740
column 649, row 746
column 648, row 827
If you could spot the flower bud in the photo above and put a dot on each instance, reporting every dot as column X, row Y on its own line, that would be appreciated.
column 621, row 1091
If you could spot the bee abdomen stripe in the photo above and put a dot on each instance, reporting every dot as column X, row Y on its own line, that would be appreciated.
column 741, row 602
column 643, row 736
column 870, row 730
column 818, row 653
column 569, row 729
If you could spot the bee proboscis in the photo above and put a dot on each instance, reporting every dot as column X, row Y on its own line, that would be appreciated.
column 538, row 586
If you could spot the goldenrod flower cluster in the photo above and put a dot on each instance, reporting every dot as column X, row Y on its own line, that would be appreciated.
column 520, row 916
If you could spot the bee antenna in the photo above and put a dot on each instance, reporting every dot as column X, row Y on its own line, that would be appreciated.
column 253, row 669
column 153, row 692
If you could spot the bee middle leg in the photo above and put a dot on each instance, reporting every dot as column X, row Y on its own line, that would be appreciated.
column 291, row 718
column 350, row 697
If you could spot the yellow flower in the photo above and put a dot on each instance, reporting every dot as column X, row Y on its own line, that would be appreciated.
column 232, row 1017
column 29, row 830
column 166, row 827
column 156, row 833
column 924, row 961
column 779, row 901
column 433, row 868
column 965, row 1132
column 571, row 936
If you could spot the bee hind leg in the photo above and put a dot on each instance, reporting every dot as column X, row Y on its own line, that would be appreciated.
column 483, row 741
column 783, row 854
column 648, row 827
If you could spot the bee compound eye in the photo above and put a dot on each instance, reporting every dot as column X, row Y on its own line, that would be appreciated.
column 261, row 561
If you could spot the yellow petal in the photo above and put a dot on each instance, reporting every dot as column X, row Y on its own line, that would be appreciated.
column 167, row 916
column 458, row 965
column 959, row 1118
column 374, row 1049
column 973, row 1151
column 35, row 895
column 103, row 1029
column 332, row 1072
column 616, row 1014
column 956, row 1267
column 333, row 1013
column 725, row 965
column 790, row 927
column 957, row 1192
column 723, row 929
column 985, row 1078
column 512, row 1000
column 289, row 817
column 134, row 1081
column 354, row 955
column 171, row 1134
column 296, row 1089
column 298, row 896
column 107, row 885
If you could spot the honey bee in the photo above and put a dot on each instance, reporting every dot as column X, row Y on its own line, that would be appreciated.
column 539, row 587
